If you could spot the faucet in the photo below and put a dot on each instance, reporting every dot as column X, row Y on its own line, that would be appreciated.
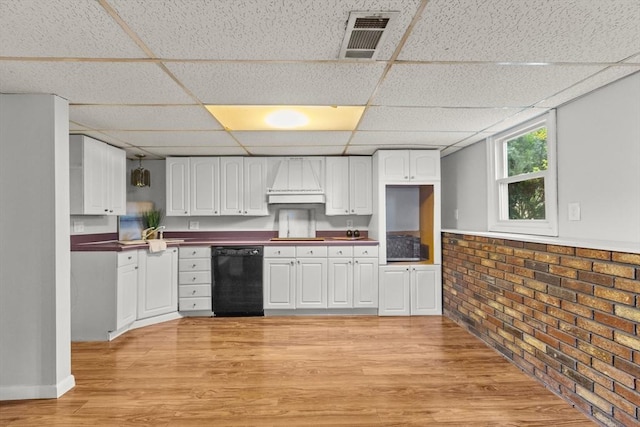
column 149, row 231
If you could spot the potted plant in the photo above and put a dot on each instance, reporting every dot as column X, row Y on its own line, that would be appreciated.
column 151, row 220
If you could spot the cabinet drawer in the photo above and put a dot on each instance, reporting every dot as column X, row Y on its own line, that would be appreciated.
column 127, row 258
column 311, row 251
column 279, row 251
column 193, row 304
column 365, row 251
column 195, row 252
column 194, row 264
column 194, row 277
column 340, row 251
column 185, row 291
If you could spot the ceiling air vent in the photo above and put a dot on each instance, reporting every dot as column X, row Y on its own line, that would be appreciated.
column 365, row 33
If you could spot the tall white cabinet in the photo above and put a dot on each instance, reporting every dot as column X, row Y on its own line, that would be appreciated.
column 409, row 288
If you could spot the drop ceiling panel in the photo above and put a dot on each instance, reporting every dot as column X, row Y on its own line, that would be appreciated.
column 62, row 28
column 196, row 151
column 368, row 150
column 324, row 150
column 265, row 30
column 433, row 119
column 291, row 138
column 476, row 85
column 101, row 136
column 450, row 150
column 312, row 83
column 170, row 117
column 175, row 138
column 516, row 119
column 603, row 78
column 93, row 82
column 525, row 31
column 421, row 139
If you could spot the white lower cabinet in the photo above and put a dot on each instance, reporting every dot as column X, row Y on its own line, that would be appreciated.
column 194, row 278
column 279, row 277
column 353, row 277
column 311, row 277
column 410, row 290
column 127, row 291
column 157, row 282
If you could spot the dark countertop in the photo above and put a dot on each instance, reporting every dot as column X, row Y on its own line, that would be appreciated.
column 109, row 242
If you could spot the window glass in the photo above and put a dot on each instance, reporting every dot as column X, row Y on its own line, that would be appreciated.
column 526, row 199
column 527, row 153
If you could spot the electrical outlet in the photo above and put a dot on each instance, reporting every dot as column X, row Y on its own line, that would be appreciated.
column 349, row 223
column 573, row 210
column 78, row 226
column 194, row 225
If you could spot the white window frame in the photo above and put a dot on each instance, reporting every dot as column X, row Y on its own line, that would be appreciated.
column 498, row 181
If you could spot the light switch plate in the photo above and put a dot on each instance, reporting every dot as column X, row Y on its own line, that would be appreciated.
column 573, row 211
column 194, row 225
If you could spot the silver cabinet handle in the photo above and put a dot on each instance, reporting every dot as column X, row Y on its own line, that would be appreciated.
column 106, row 210
column 193, row 253
column 193, row 279
column 311, row 252
column 339, row 252
column 193, row 266
column 356, row 261
column 215, row 212
column 346, row 211
column 406, row 177
column 291, row 262
column 193, row 292
column 129, row 257
column 185, row 212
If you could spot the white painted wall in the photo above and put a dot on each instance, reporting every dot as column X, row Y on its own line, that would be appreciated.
column 464, row 187
column 598, row 139
column 35, row 339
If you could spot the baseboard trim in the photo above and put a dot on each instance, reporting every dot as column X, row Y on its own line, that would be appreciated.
column 24, row 392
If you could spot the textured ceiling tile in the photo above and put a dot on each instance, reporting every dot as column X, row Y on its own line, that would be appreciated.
column 525, row 31
column 196, row 151
column 76, row 126
column 635, row 59
column 450, row 150
column 280, row 83
column 607, row 76
column 93, row 82
column 133, row 151
column 119, row 117
column 101, row 136
column 516, row 119
column 476, row 85
column 253, row 29
column 176, row 139
column 433, row 119
column 368, row 150
column 289, row 138
column 62, row 28
column 324, row 150
column 408, row 138
column 480, row 136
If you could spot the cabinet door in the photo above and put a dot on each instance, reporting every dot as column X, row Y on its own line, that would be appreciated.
column 424, row 165
column 394, row 292
column 116, row 180
column 360, row 185
column 231, row 185
column 426, row 291
column 205, row 186
column 255, row 186
column 394, row 165
column 336, row 190
column 157, row 282
column 95, row 177
column 340, row 283
column 279, row 283
column 311, row 283
column 365, row 282
column 127, row 295
column 177, row 186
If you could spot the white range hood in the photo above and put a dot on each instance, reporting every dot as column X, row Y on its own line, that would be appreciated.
column 298, row 180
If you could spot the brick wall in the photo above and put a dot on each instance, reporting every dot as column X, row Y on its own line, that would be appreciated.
column 567, row 316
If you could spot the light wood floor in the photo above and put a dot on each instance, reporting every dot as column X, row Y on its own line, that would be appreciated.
column 296, row 371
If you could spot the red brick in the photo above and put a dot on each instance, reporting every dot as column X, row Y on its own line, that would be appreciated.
column 596, row 328
column 547, row 339
column 534, row 284
column 548, row 258
column 626, row 366
column 566, row 250
column 577, row 263
column 540, row 247
column 578, row 309
column 614, row 373
column 563, row 271
column 624, row 419
column 523, row 253
column 627, row 285
column 559, row 378
column 524, row 291
column 575, row 331
column 614, row 269
column 614, row 295
column 625, row 258
column 597, row 353
column 617, row 401
column 527, row 329
column 596, row 303
column 548, row 299
column 596, row 278
column 596, row 376
column 524, row 272
column 633, row 342
column 568, row 339
column 628, row 313
column 611, row 346
column 594, row 399
column 561, row 314
column 615, row 321
column 593, row 253
column 552, row 321
column 631, row 395
column 577, row 285
column 575, row 353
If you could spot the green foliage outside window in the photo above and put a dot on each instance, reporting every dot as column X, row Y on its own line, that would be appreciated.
column 527, row 154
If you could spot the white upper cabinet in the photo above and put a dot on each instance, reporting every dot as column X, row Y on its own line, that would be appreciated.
column 231, row 185
column 255, row 186
column 178, row 185
column 348, row 186
column 416, row 166
column 97, row 177
column 205, row 186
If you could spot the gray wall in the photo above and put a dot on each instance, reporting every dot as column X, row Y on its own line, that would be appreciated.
column 598, row 139
column 35, row 331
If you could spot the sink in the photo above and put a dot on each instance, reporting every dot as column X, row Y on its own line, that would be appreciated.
column 144, row 242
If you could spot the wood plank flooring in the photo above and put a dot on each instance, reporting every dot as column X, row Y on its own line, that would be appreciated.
column 296, row 371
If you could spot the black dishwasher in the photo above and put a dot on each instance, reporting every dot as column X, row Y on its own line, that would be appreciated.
column 237, row 280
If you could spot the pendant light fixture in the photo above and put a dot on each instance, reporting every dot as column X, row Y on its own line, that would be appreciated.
column 140, row 177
